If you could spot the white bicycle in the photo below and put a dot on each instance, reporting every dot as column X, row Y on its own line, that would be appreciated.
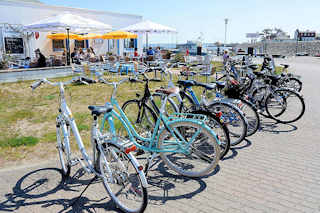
column 111, row 160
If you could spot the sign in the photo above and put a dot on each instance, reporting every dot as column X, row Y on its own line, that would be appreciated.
column 14, row 45
column 252, row 35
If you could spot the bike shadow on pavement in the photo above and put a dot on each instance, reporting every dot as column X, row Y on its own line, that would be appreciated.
column 272, row 126
column 164, row 185
column 46, row 187
column 233, row 152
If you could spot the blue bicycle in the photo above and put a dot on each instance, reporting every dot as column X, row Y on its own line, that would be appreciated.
column 184, row 142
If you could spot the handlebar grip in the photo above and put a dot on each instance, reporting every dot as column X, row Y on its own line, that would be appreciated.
column 36, row 84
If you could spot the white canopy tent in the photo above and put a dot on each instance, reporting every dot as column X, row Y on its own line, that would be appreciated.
column 70, row 23
column 146, row 27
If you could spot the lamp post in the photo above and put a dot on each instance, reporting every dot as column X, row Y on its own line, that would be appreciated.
column 68, row 47
column 225, row 31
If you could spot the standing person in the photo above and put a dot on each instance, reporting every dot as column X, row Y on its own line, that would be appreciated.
column 158, row 53
column 136, row 54
column 187, row 52
column 225, row 57
column 41, row 59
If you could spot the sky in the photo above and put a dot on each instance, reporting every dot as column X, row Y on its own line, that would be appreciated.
column 190, row 18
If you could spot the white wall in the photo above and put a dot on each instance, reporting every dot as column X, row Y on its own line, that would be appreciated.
column 27, row 13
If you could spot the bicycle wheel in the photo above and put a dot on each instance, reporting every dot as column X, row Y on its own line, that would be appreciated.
column 203, row 153
column 140, row 115
column 251, row 115
column 258, row 98
column 285, row 105
column 170, row 105
column 219, row 128
column 63, row 149
column 122, row 180
column 233, row 118
column 292, row 83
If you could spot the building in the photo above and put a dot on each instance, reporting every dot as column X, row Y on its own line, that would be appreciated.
column 16, row 13
column 305, row 35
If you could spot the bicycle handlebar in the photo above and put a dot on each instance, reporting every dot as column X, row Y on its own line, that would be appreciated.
column 44, row 80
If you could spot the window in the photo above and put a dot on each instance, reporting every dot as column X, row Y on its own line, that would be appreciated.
column 57, row 45
column 128, row 43
column 79, row 43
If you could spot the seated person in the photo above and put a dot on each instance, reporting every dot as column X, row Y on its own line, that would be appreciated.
column 41, row 60
column 150, row 52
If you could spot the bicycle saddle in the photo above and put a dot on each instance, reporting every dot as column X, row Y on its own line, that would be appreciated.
column 172, row 90
column 207, row 86
column 253, row 66
column 186, row 83
column 98, row 110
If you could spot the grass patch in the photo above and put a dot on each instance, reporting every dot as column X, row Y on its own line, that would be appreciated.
column 83, row 127
column 49, row 97
column 49, row 137
column 19, row 141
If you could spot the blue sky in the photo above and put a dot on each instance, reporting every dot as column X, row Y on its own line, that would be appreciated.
column 207, row 16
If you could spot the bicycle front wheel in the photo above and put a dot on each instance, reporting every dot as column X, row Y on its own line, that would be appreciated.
column 122, row 180
column 196, row 158
column 233, row 118
column 285, row 106
column 63, row 149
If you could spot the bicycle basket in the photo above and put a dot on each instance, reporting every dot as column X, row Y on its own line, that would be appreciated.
column 233, row 91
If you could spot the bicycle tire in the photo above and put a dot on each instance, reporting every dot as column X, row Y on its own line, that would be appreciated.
column 232, row 117
column 171, row 159
column 253, row 119
column 140, row 118
column 285, row 100
column 297, row 82
column 62, row 150
column 219, row 128
column 115, row 159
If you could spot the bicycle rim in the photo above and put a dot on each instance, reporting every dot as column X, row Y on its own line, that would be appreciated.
column 202, row 155
column 122, row 181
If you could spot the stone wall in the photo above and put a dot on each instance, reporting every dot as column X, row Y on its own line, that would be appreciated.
column 284, row 48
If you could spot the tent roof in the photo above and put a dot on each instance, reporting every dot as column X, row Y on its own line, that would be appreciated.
column 149, row 27
column 67, row 20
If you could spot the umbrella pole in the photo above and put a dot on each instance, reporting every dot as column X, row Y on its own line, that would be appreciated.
column 68, row 47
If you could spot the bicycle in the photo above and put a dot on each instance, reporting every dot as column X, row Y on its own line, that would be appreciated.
column 146, row 116
column 181, row 140
column 111, row 160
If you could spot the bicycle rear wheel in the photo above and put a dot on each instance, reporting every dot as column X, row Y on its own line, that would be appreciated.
column 203, row 153
column 122, row 180
column 251, row 115
column 219, row 128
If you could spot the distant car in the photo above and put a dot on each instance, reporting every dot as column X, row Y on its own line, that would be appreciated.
column 302, row 54
column 317, row 55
